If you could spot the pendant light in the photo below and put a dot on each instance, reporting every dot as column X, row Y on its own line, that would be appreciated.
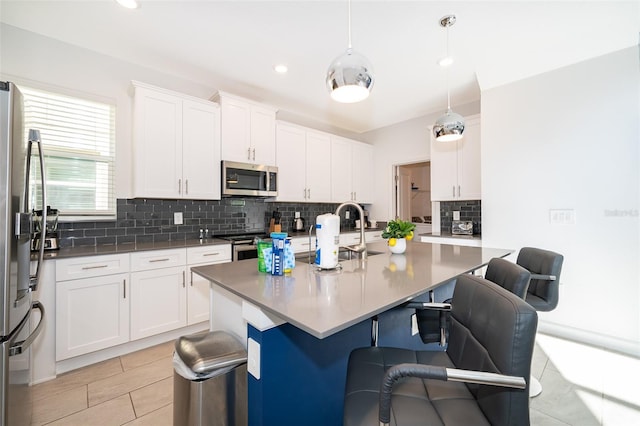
column 350, row 76
column 450, row 126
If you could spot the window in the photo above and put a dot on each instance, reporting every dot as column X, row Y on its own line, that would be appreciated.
column 78, row 140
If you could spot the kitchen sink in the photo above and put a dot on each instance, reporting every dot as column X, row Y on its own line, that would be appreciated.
column 343, row 254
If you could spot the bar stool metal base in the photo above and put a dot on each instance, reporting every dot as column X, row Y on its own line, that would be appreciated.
column 535, row 388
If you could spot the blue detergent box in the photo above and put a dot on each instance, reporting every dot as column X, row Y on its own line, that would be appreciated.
column 278, row 242
column 282, row 257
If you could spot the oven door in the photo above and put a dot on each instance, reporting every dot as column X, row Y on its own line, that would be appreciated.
column 244, row 251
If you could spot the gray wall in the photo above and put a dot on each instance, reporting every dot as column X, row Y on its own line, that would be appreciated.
column 568, row 139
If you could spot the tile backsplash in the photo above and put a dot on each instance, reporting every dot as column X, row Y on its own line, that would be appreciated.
column 151, row 220
column 469, row 210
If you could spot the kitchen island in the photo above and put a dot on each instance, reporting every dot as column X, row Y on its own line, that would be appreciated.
column 300, row 328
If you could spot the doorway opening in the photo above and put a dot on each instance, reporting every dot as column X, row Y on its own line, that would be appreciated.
column 413, row 194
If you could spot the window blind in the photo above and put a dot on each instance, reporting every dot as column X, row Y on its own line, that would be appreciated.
column 78, row 141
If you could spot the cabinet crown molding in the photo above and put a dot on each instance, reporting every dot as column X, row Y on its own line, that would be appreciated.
column 137, row 84
column 221, row 94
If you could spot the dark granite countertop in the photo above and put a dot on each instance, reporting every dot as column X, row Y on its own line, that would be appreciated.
column 128, row 248
column 68, row 252
column 295, row 234
column 450, row 235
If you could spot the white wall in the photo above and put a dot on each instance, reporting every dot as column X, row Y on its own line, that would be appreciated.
column 42, row 62
column 568, row 139
column 402, row 143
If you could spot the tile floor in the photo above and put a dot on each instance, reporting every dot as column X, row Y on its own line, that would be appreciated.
column 137, row 389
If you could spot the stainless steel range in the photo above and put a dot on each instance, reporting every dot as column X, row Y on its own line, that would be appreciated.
column 244, row 246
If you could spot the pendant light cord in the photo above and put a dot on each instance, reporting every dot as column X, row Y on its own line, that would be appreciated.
column 447, row 76
column 349, row 15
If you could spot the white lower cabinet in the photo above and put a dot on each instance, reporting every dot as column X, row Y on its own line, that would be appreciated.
column 92, row 314
column 104, row 301
column 198, row 301
column 158, row 301
column 158, row 292
column 92, row 309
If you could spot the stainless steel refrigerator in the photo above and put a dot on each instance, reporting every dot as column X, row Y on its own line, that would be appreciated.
column 18, row 282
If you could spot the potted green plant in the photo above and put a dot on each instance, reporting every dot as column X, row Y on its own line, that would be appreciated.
column 397, row 233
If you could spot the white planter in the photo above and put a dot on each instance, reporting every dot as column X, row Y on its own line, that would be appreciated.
column 400, row 247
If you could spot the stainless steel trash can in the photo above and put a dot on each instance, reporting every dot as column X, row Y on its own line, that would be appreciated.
column 209, row 380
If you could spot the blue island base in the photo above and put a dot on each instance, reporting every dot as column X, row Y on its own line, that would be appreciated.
column 302, row 378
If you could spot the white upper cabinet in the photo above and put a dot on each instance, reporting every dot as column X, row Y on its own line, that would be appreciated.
column 351, row 170
column 304, row 164
column 248, row 130
column 176, row 145
column 201, row 150
column 455, row 166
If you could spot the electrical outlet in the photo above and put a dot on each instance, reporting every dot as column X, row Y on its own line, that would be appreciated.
column 253, row 358
column 456, row 215
column 347, row 215
column 414, row 325
column 297, row 215
column 177, row 218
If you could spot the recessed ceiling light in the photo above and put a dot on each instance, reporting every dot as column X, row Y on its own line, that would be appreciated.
column 280, row 68
column 129, row 4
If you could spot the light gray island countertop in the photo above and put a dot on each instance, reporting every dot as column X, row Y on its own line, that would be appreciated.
column 325, row 302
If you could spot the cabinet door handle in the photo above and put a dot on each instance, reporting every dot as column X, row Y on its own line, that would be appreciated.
column 458, row 190
column 84, row 268
column 183, row 280
column 215, row 253
column 124, row 289
column 249, row 153
column 453, row 191
column 304, row 193
column 191, row 281
column 309, row 194
column 179, row 186
column 159, row 260
column 254, row 154
column 186, row 186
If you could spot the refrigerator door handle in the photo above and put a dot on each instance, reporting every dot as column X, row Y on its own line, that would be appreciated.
column 34, row 137
column 19, row 347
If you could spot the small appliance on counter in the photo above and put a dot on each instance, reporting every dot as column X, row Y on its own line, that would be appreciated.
column 298, row 223
column 48, row 222
column 367, row 222
column 462, row 227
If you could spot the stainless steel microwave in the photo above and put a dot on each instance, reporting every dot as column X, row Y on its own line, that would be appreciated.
column 249, row 180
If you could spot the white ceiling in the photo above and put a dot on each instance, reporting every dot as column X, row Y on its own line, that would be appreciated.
column 232, row 45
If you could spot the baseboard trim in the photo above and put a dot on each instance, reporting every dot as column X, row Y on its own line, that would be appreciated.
column 623, row 346
column 136, row 345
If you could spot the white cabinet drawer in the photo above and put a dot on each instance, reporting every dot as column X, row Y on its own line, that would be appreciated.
column 372, row 236
column 301, row 244
column 91, row 266
column 209, row 254
column 350, row 239
column 146, row 260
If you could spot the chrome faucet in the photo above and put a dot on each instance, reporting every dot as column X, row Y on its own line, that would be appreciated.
column 362, row 247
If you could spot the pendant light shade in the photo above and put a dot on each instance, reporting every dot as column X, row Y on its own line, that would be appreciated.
column 450, row 126
column 350, row 76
